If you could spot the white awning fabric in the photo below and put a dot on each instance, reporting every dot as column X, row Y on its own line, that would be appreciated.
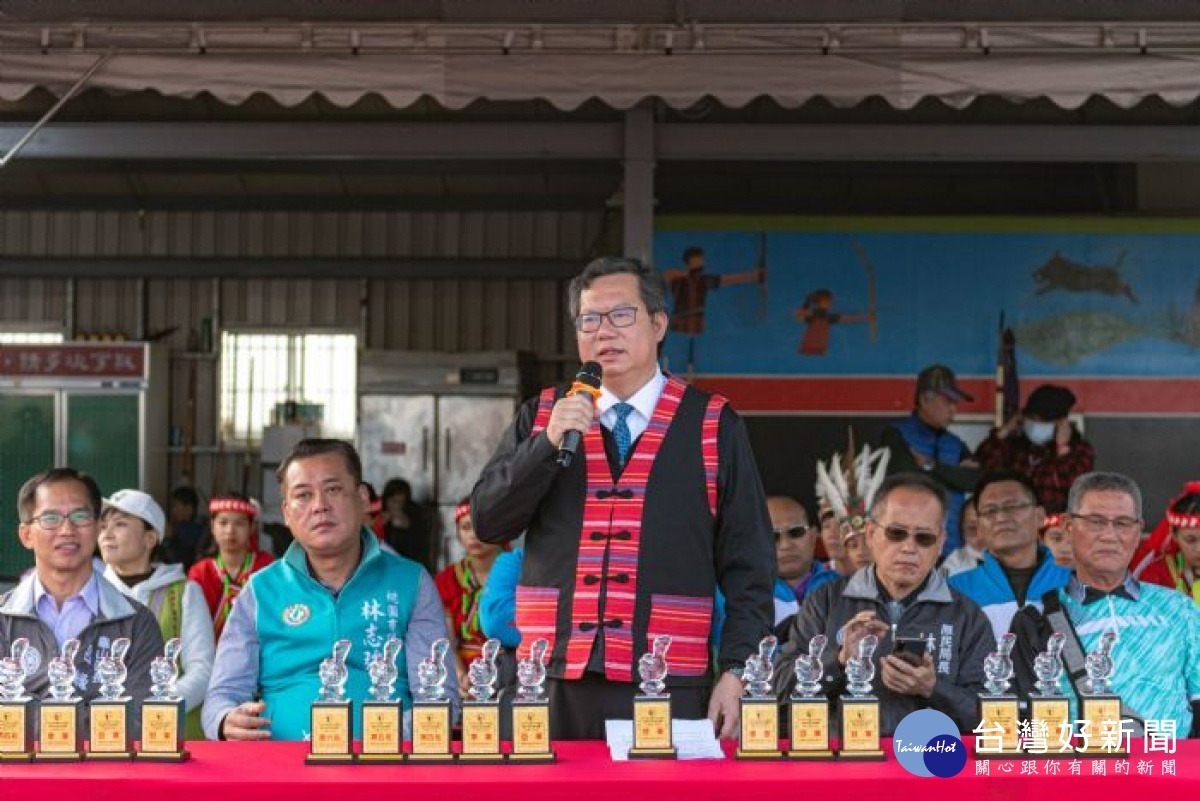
column 568, row 66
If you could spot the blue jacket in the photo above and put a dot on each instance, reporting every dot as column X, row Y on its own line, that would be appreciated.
column 787, row 602
column 944, row 448
column 987, row 586
column 285, row 622
column 498, row 607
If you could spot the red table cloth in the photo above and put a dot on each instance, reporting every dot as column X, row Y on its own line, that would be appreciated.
column 265, row 771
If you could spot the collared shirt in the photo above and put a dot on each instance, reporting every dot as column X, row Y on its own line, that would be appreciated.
column 76, row 613
column 1129, row 589
column 643, row 402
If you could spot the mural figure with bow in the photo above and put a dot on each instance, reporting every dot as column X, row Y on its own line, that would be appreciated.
column 818, row 315
column 690, row 286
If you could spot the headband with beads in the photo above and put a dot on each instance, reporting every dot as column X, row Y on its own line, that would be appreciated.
column 232, row 505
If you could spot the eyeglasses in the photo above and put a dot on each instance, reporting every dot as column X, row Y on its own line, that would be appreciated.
column 898, row 534
column 52, row 521
column 1096, row 524
column 793, row 533
column 990, row 513
column 620, row 317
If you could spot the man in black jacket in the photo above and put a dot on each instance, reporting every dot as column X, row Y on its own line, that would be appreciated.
column 661, row 507
column 901, row 595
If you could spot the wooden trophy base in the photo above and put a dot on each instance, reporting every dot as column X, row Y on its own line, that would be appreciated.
column 431, row 725
column 860, row 719
column 653, row 753
column 809, row 722
column 16, row 728
column 759, row 730
column 430, row 759
column 62, row 718
column 162, row 732
column 108, row 756
column 531, row 744
column 652, row 715
column 382, row 737
column 1004, row 711
column 1097, row 709
column 54, row 756
column 331, row 719
column 548, row 758
column 481, row 733
column 164, row 756
column 1053, row 710
column 379, row 759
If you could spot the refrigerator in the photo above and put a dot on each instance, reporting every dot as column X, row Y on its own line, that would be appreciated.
column 98, row 407
column 434, row 419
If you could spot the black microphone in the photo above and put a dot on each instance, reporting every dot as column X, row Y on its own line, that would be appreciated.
column 587, row 380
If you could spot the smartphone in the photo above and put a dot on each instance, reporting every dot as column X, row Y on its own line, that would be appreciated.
column 911, row 649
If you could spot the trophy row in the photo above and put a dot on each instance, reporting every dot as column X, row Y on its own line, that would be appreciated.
column 60, row 735
column 859, row 710
column 332, row 737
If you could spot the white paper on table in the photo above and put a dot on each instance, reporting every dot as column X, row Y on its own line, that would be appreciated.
column 694, row 739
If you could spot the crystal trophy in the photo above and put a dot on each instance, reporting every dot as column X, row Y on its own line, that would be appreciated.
column 759, row 707
column 481, row 709
column 999, row 710
column 652, row 706
column 331, row 736
column 808, row 707
column 431, row 708
column 16, row 708
column 531, row 710
column 109, row 734
column 383, row 715
column 1049, row 705
column 1099, row 706
column 163, row 711
column 860, row 715
column 60, row 717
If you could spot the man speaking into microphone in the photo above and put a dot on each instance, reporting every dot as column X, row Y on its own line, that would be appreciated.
column 660, row 507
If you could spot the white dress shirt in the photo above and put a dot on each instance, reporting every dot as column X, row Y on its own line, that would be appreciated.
column 643, row 402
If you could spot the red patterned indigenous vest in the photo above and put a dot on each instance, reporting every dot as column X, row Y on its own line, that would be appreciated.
column 609, row 545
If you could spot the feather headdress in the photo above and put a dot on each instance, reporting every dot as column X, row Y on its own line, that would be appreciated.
column 849, row 483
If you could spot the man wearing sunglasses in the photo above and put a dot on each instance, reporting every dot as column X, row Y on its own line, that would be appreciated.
column 1157, row 652
column 901, row 596
column 795, row 542
column 64, row 598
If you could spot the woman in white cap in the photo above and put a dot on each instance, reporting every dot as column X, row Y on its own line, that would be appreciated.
column 131, row 526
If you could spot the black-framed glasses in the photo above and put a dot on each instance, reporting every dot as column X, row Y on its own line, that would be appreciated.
column 793, row 533
column 1096, row 524
column 52, row 521
column 990, row 513
column 898, row 534
column 620, row 317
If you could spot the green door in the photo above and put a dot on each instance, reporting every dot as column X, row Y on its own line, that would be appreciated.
column 26, row 448
column 102, row 439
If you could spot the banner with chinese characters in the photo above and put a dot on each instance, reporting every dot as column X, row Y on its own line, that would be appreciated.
column 100, row 361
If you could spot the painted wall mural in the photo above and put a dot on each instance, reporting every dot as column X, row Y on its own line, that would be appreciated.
column 887, row 302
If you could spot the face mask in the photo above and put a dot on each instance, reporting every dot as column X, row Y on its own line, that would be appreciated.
column 1039, row 433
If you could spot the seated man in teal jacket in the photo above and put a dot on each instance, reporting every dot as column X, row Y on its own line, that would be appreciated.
column 1017, row 569
column 334, row 582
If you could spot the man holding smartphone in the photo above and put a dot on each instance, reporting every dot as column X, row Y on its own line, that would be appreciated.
column 943, row 637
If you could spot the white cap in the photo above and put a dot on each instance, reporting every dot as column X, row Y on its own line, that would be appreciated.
column 140, row 505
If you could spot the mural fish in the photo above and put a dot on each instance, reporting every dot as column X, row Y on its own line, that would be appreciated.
column 1059, row 272
column 1064, row 339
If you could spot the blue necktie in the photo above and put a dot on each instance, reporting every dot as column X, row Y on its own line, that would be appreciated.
column 620, row 430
